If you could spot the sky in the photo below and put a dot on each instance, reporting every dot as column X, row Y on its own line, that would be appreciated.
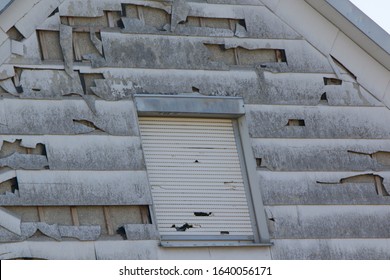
column 378, row 10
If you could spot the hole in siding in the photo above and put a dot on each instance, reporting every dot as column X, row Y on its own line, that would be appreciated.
column 295, row 122
column 272, row 219
column 87, row 124
column 122, row 232
column 324, row 97
column 242, row 23
column 10, row 186
column 19, row 89
column 54, row 12
column 195, row 89
column 49, row 43
column 14, row 34
column 203, row 214
column 183, row 227
column 120, row 24
column 36, row 89
column 258, row 162
column 8, row 148
column 380, row 187
column 332, row 82
column 280, row 56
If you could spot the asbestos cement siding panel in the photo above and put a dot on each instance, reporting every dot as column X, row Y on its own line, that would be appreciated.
column 322, row 188
column 327, row 249
column 319, row 154
column 80, row 188
column 32, row 117
column 94, row 152
column 307, row 89
column 149, row 51
column 319, row 122
column 329, row 222
column 242, row 82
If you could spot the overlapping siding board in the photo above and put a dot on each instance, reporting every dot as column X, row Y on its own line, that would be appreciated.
column 73, row 166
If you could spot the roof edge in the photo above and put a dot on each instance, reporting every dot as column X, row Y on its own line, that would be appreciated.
column 4, row 4
column 357, row 26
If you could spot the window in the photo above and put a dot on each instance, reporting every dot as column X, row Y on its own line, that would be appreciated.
column 197, row 171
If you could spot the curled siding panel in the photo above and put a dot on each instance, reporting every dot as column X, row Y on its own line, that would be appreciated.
column 195, row 176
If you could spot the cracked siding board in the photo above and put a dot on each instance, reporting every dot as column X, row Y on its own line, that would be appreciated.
column 376, row 80
column 149, row 51
column 17, row 10
column 145, row 51
column 133, row 250
column 39, row 12
column 5, row 50
column 60, row 117
column 320, row 122
column 94, row 152
column 319, row 154
column 10, row 221
column 330, row 222
column 77, row 8
column 70, row 250
column 327, row 249
column 53, row 84
column 171, row 81
column 307, row 89
column 80, row 188
column 322, row 188
column 87, row 152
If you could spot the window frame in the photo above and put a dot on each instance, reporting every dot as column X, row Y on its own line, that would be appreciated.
column 233, row 108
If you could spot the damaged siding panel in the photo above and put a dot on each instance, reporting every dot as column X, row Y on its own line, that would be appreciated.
column 322, row 188
column 170, row 81
column 39, row 12
column 70, row 250
column 307, row 89
column 82, row 152
column 327, row 249
column 79, row 188
column 149, row 51
column 330, row 222
column 319, row 122
column 93, row 152
column 321, row 154
column 67, row 117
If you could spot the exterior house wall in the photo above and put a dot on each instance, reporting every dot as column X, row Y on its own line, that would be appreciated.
column 73, row 179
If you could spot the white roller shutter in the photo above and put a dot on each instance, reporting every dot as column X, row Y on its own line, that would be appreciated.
column 195, row 175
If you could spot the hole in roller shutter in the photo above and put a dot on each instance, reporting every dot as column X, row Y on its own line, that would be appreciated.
column 203, row 214
column 225, row 232
column 196, row 161
column 183, row 227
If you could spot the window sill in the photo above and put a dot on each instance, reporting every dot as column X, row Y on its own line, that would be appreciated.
column 200, row 244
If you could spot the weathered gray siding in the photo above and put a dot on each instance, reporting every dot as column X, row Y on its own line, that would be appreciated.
column 71, row 162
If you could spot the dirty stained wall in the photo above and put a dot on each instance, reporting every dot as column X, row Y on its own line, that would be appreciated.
column 72, row 167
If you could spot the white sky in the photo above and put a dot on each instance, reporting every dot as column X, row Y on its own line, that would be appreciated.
column 378, row 10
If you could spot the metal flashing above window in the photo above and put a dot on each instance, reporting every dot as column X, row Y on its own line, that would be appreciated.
column 189, row 106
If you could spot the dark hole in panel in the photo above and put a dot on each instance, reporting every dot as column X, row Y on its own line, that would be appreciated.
column 296, row 122
column 332, row 81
